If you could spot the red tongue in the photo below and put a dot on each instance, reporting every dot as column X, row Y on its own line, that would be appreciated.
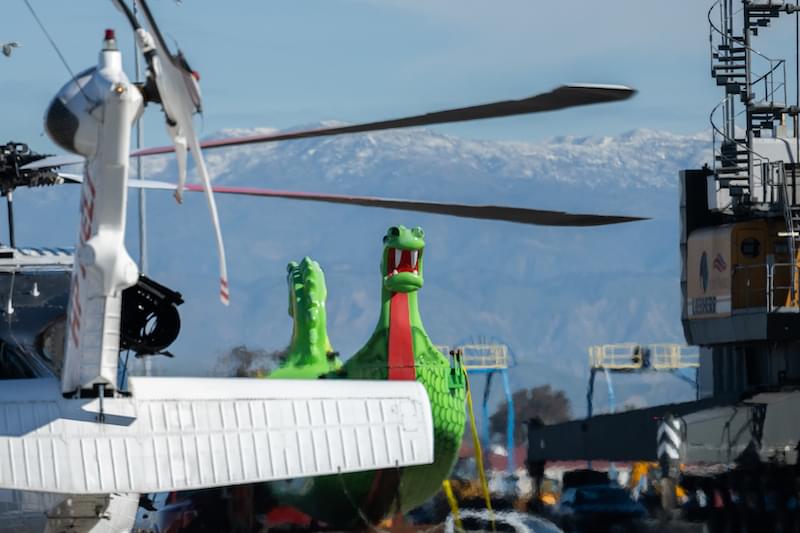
column 401, row 347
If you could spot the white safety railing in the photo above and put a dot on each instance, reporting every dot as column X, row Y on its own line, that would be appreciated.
column 484, row 356
column 673, row 356
column 632, row 356
column 624, row 356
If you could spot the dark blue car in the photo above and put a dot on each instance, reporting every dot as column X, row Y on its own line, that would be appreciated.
column 598, row 508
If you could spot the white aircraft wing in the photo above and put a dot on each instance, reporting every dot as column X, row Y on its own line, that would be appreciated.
column 190, row 433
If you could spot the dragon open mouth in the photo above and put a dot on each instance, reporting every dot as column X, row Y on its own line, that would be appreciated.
column 398, row 260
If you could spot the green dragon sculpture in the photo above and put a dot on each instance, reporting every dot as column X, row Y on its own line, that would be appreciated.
column 310, row 353
column 399, row 349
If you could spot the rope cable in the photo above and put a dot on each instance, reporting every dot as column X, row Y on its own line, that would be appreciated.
column 124, row 372
column 57, row 50
column 453, row 502
column 790, row 201
column 142, row 203
column 476, row 444
column 361, row 514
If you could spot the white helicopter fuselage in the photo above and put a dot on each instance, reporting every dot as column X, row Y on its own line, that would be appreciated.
column 103, row 267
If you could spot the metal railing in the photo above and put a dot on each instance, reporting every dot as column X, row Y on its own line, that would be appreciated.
column 787, row 202
column 623, row 356
column 774, row 83
column 770, row 89
column 673, row 356
column 764, row 286
column 631, row 356
column 485, row 356
column 755, row 157
column 776, row 68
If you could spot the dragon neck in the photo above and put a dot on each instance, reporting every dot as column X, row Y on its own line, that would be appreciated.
column 385, row 319
column 307, row 305
column 311, row 338
column 398, row 320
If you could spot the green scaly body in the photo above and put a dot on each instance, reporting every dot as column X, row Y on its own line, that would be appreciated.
column 346, row 501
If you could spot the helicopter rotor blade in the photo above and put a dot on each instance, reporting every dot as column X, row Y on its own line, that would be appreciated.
column 519, row 215
column 133, row 184
column 559, row 98
column 70, row 178
column 179, row 95
column 53, row 161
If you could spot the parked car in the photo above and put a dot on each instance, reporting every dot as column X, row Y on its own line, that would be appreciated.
column 579, row 478
column 166, row 512
column 591, row 508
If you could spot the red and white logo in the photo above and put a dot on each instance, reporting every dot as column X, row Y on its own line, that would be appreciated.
column 719, row 263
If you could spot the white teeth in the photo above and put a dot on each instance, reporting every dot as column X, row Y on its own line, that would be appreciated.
column 414, row 255
column 394, row 272
column 397, row 255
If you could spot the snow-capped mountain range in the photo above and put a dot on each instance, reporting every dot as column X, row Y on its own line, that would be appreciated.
column 547, row 292
column 636, row 159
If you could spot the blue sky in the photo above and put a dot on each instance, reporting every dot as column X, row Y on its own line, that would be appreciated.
column 285, row 63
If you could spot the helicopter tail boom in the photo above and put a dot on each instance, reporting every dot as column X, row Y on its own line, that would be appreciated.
column 103, row 268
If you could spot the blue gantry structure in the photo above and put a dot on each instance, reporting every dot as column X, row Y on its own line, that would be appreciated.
column 489, row 356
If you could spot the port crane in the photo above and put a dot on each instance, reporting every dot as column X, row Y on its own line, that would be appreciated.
column 739, row 283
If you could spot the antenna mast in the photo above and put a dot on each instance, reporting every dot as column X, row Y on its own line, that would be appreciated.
column 139, row 144
column 142, row 203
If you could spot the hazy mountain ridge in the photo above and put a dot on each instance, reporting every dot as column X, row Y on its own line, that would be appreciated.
column 636, row 159
column 548, row 292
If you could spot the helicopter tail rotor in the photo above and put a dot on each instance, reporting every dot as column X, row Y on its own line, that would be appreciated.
column 179, row 94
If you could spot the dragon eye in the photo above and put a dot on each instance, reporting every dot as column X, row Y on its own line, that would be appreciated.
column 394, row 231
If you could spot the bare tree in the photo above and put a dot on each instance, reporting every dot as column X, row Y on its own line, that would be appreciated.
column 242, row 362
column 548, row 405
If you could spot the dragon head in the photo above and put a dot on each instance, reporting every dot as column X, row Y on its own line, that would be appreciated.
column 401, row 266
column 307, row 291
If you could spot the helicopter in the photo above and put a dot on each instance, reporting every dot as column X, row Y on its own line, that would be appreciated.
column 109, row 305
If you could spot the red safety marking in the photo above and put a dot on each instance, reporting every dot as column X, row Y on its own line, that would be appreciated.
column 76, row 326
column 88, row 209
column 90, row 183
column 75, row 319
column 76, row 306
